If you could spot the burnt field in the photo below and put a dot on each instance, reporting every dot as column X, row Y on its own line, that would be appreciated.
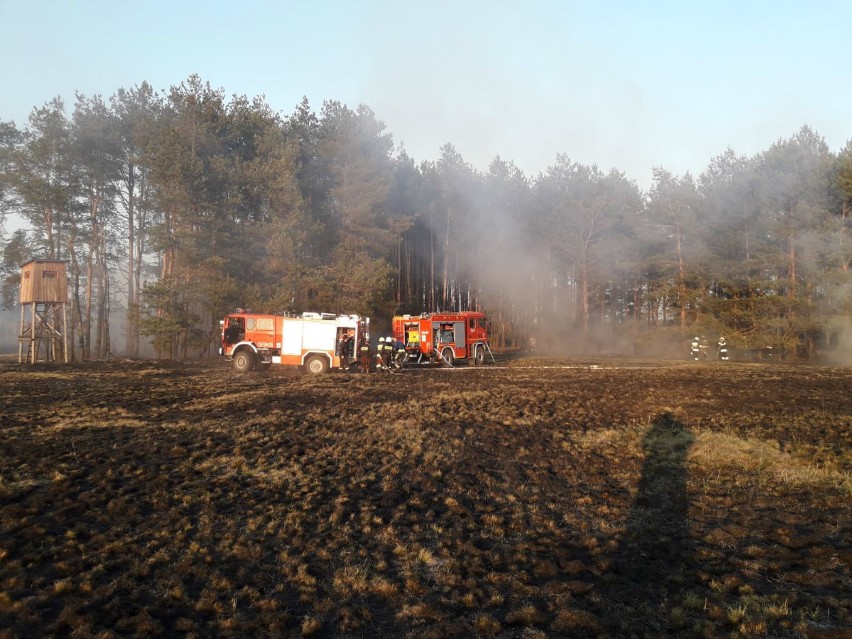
column 531, row 499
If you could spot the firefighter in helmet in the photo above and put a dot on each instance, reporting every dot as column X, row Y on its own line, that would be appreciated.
column 380, row 352
column 387, row 353
column 364, row 355
column 695, row 348
column 698, row 348
column 723, row 349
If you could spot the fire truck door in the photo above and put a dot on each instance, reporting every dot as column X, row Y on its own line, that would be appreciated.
column 459, row 334
column 264, row 332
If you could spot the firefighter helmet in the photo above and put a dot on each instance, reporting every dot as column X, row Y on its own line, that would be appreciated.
column 381, row 339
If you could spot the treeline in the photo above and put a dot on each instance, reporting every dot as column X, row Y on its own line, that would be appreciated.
column 176, row 208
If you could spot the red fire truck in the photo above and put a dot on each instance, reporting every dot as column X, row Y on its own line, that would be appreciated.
column 311, row 340
column 444, row 337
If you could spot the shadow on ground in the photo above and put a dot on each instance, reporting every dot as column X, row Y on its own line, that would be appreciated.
column 655, row 558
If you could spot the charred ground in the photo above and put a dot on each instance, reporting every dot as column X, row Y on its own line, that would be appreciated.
column 531, row 499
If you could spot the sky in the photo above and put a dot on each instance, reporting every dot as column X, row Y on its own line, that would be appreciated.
column 627, row 85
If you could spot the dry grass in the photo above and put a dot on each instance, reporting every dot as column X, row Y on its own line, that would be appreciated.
column 524, row 501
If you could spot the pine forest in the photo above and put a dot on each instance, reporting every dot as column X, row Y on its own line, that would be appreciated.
column 172, row 209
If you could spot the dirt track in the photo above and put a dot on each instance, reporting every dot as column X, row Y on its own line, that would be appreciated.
column 535, row 499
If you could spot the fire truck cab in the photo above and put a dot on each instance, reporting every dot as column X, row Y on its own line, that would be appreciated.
column 444, row 337
column 311, row 340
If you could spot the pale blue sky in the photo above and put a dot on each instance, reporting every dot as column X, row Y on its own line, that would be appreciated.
column 630, row 85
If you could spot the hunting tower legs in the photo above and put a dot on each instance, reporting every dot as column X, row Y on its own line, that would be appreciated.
column 43, row 334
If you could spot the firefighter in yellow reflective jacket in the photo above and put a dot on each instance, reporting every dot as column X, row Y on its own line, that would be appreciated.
column 695, row 348
column 364, row 355
column 380, row 353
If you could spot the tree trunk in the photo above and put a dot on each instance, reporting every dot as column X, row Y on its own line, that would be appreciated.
column 681, row 271
column 76, row 306
column 53, row 254
column 137, row 275
column 132, row 343
column 431, row 280
column 445, row 284
column 791, row 267
column 844, row 256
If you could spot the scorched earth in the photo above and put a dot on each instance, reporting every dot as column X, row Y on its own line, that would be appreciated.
column 526, row 499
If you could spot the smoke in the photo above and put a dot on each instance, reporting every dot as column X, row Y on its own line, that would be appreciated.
column 9, row 327
column 839, row 330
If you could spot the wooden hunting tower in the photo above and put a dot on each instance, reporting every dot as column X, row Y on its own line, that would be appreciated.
column 44, row 294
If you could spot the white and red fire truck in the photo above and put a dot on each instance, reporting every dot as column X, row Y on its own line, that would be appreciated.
column 311, row 340
column 444, row 337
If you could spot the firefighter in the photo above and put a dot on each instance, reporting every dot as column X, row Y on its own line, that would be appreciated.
column 231, row 334
column 365, row 355
column 383, row 352
column 723, row 349
column 234, row 331
column 380, row 351
column 343, row 350
column 695, row 348
column 387, row 353
column 398, row 355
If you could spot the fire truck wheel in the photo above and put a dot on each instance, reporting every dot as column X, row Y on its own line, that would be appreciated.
column 479, row 356
column 245, row 361
column 316, row 364
column 447, row 356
